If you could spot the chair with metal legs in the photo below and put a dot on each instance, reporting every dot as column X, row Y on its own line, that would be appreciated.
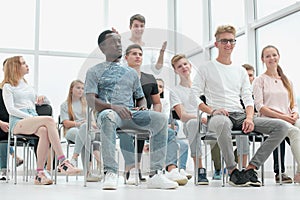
column 204, row 134
column 42, row 110
column 88, row 146
column 137, row 134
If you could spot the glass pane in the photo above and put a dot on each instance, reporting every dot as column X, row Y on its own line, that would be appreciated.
column 189, row 20
column 155, row 13
column 55, row 76
column 70, row 25
column 287, row 45
column 29, row 59
column 266, row 7
column 17, row 24
column 227, row 12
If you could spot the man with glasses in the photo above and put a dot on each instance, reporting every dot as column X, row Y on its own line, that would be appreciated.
column 224, row 84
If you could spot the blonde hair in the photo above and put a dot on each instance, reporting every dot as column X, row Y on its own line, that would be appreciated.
column 284, row 79
column 69, row 101
column 11, row 69
column 176, row 58
column 225, row 29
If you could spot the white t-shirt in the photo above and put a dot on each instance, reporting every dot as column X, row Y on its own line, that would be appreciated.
column 223, row 86
column 180, row 95
column 18, row 97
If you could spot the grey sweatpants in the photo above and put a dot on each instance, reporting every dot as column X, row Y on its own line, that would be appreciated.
column 275, row 128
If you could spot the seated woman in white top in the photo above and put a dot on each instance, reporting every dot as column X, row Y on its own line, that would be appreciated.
column 73, row 117
column 20, row 99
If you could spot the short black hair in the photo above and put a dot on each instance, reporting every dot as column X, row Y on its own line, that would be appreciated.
column 102, row 36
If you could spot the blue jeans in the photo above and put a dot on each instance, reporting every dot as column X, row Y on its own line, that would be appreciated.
column 108, row 121
column 172, row 148
column 183, row 153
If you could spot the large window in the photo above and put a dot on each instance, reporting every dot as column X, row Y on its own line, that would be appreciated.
column 55, row 77
column 266, row 7
column 155, row 13
column 227, row 12
column 190, row 20
column 69, row 25
column 17, row 24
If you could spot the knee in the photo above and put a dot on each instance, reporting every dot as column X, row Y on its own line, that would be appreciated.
column 294, row 133
column 49, row 121
column 42, row 131
column 82, row 128
column 107, row 116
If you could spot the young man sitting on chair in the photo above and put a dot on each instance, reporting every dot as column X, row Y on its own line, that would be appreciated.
column 110, row 89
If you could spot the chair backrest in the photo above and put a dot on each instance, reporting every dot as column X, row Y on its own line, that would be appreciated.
column 60, row 127
column 44, row 110
column 174, row 115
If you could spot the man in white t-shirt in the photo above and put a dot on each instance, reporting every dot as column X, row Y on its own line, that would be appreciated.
column 187, row 113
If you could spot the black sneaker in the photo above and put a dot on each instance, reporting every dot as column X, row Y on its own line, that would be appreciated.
column 142, row 179
column 238, row 179
column 202, row 179
column 251, row 175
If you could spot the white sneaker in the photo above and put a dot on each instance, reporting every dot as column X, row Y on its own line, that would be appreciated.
column 132, row 175
column 184, row 173
column 160, row 181
column 174, row 175
column 74, row 162
column 110, row 181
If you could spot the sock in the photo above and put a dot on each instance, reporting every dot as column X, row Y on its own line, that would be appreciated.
column 61, row 158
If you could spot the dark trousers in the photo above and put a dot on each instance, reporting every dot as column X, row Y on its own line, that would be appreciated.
column 282, row 153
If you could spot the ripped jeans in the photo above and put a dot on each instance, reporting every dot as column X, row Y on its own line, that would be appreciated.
column 108, row 121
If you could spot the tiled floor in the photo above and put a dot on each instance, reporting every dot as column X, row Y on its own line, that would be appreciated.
column 74, row 190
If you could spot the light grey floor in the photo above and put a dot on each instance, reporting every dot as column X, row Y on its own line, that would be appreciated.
column 74, row 190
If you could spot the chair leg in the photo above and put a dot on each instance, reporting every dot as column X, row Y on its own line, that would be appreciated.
column 7, row 159
column 196, row 161
column 68, row 149
column 136, row 160
column 15, row 160
column 279, row 164
column 27, row 162
column 262, row 166
column 222, row 168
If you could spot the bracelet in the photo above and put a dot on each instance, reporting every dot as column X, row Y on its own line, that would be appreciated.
column 75, row 124
column 212, row 113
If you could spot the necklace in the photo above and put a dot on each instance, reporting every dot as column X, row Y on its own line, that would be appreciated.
column 274, row 76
